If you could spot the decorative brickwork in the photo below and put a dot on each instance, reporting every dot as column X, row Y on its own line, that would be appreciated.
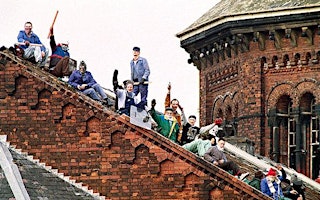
column 95, row 146
column 260, row 73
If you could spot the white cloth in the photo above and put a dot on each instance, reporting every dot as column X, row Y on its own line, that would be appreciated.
column 212, row 128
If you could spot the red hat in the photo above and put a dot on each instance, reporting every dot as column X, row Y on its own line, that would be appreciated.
column 272, row 172
column 218, row 121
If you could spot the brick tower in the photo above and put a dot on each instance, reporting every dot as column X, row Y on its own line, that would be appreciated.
column 259, row 70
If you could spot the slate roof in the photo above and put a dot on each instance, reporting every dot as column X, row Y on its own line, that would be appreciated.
column 232, row 8
column 40, row 183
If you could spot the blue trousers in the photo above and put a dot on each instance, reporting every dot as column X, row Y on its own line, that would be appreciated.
column 95, row 92
column 143, row 89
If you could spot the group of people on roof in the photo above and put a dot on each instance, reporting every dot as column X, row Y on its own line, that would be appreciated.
column 275, row 184
column 207, row 142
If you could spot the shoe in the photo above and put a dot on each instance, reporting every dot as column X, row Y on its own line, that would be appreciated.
column 107, row 103
column 146, row 119
column 243, row 176
column 65, row 79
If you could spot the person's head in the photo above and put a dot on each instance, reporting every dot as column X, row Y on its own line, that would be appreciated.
column 298, row 185
column 221, row 143
column 212, row 139
column 82, row 67
column 174, row 104
column 259, row 175
column 136, row 53
column 28, row 27
column 272, row 174
column 129, row 85
column 64, row 46
column 168, row 112
column 192, row 120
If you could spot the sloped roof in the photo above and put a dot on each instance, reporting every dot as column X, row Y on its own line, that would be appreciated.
column 230, row 8
column 40, row 183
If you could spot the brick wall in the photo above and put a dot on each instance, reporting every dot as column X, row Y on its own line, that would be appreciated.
column 94, row 145
column 242, row 84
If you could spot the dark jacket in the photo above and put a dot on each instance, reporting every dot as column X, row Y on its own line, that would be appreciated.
column 57, row 52
column 77, row 78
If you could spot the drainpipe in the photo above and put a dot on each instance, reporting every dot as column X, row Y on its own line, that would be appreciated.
column 298, row 151
column 276, row 144
column 316, row 171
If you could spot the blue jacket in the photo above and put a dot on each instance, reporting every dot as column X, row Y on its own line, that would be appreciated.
column 22, row 37
column 140, row 70
column 57, row 52
column 57, row 49
column 266, row 190
column 76, row 79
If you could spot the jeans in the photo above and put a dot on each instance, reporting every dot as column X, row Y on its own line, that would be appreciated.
column 95, row 91
column 35, row 51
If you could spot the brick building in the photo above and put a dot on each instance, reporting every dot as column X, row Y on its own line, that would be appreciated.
column 259, row 70
column 95, row 147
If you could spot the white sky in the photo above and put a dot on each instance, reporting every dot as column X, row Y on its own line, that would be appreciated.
column 103, row 32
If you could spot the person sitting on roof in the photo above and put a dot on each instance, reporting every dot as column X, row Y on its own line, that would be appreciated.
column 295, row 190
column 201, row 145
column 255, row 182
column 167, row 124
column 189, row 131
column 216, row 156
column 83, row 81
column 59, row 60
column 270, row 185
column 33, row 49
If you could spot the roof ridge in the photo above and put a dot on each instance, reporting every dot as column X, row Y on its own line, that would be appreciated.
column 54, row 82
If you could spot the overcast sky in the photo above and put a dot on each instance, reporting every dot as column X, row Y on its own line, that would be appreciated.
column 103, row 32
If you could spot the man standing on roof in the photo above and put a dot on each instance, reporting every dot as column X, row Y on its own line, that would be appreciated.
column 139, row 75
column 59, row 60
column 33, row 48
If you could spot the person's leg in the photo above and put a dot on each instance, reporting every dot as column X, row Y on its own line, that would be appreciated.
column 37, row 54
column 100, row 91
column 105, row 100
column 136, row 89
column 44, row 59
column 230, row 165
column 143, row 89
column 65, row 66
column 92, row 93
column 62, row 68
column 28, row 52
